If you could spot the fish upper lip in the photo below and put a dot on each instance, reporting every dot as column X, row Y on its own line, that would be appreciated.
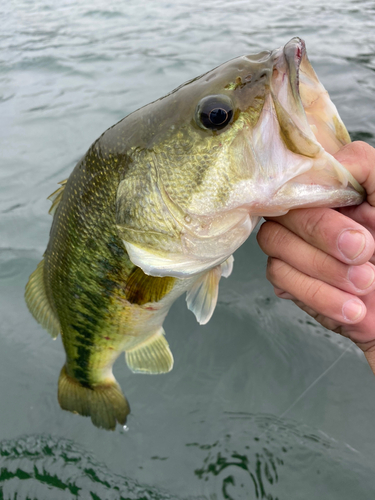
column 288, row 59
column 285, row 83
column 294, row 51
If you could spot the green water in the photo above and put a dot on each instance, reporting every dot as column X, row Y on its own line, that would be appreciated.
column 243, row 414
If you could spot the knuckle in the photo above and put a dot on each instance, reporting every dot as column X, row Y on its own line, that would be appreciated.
column 261, row 235
column 270, row 268
column 273, row 268
column 278, row 292
column 367, row 347
column 266, row 234
column 280, row 274
column 314, row 222
column 360, row 151
column 314, row 289
column 360, row 148
column 271, row 236
column 321, row 263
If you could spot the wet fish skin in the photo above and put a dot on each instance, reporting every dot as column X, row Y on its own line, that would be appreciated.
column 160, row 202
column 101, row 300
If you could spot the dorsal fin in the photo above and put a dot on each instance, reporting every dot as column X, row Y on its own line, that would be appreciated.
column 38, row 303
column 56, row 196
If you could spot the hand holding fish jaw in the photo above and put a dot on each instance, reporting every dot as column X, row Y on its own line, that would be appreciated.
column 323, row 259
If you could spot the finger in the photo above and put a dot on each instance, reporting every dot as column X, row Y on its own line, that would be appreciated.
column 282, row 294
column 277, row 241
column 364, row 214
column 370, row 356
column 328, row 323
column 327, row 300
column 362, row 333
column 359, row 158
column 332, row 232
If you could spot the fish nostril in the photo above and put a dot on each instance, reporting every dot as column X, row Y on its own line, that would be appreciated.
column 262, row 76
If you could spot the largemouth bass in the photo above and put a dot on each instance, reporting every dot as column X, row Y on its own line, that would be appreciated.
column 160, row 202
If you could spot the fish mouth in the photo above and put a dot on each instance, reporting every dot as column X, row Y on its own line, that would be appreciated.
column 294, row 52
column 309, row 126
column 308, row 119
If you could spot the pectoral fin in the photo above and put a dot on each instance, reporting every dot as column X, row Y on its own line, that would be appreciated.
column 227, row 267
column 202, row 297
column 151, row 356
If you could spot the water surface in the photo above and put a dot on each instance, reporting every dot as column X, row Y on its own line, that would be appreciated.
column 232, row 420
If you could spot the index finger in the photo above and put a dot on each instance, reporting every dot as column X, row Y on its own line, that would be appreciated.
column 332, row 232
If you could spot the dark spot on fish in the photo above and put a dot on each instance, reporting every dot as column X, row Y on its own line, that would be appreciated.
column 82, row 378
column 109, row 285
column 115, row 249
column 83, row 356
column 105, row 264
column 81, row 370
column 87, row 317
column 91, row 243
column 84, row 341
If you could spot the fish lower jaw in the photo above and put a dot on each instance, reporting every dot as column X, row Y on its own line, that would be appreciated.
column 197, row 254
column 299, row 193
column 305, row 198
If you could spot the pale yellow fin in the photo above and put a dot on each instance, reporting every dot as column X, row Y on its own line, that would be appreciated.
column 202, row 297
column 38, row 303
column 141, row 288
column 152, row 356
column 56, row 196
column 227, row 267
column 105, row 404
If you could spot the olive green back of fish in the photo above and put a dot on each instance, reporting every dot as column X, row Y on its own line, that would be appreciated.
column 86, row 287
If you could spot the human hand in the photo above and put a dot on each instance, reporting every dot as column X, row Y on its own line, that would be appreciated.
column 323, row 259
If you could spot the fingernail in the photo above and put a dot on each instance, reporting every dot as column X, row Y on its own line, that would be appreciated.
column 352, row 310
column 361, row 276
column 351, row 243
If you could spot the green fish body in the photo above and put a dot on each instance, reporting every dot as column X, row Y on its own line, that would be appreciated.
column 87, row 288
column 160, row 202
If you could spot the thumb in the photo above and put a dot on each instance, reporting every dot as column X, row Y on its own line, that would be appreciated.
column 359, row 158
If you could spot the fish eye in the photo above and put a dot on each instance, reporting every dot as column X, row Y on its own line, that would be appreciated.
column 214, row 112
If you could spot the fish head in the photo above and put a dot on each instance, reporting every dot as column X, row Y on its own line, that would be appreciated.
column 253, row 137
